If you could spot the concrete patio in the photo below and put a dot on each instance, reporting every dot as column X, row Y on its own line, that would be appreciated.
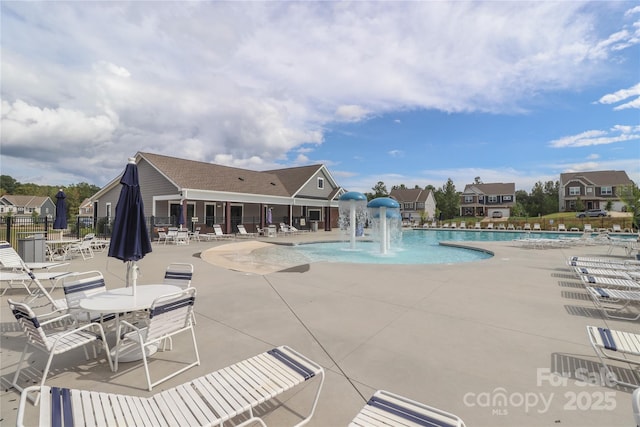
column 484, row 340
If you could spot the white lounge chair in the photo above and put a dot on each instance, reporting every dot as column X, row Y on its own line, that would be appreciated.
column 587, row 228
column 602, row 272
column 209, row 400
column 526, row 227
column 16, row 272
column 477, row 226
column 53, row 343
column 242, row 232
column 536, row 227
column 613, row 302
column 454, row 225
column 463, row 225
column 615, row 228
column 616, row 345
column 219, row 234
column 489, row 226
column 609, row 282
column 389, row 409
column 501, row 226
column 511, row 227
column 561, row 227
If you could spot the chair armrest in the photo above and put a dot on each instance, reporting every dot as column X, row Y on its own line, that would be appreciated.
column 55, row 319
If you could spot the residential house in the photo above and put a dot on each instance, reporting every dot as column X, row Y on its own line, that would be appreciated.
column 491, row 199
column 594, row 189
column 415, row 203
column 215, row 194
column 20, row 206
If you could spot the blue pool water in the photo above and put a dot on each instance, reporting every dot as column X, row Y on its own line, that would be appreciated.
column 417, row 247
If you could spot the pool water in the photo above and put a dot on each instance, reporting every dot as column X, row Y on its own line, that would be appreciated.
column 417, row 247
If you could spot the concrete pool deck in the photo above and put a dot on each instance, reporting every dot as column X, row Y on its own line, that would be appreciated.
column 481, row 339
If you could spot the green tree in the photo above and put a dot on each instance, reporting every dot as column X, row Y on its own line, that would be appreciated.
column 448, row 200
column 630, row 195
column 379, row 190
column 7, row 184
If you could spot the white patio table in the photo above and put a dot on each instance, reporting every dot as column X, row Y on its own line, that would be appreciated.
column 122, row 300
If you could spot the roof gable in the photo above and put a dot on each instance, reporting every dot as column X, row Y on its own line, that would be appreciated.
column 494, row 188
column 599, row 178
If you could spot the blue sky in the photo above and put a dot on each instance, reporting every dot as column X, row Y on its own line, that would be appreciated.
column 407, row 93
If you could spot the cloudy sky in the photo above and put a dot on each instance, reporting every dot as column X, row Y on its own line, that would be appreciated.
column 407, row 93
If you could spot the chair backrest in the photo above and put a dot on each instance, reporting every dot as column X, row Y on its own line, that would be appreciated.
column 241, row 229
column 170, row 313
column 82, row 285
column 179, row 274
column 9, row 258
column 89, row 236
column 29, row 323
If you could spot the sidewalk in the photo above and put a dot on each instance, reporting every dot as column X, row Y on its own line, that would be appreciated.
column 480, row 340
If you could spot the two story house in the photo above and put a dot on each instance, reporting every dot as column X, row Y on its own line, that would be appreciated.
column 492, row 199
column 415, row 203
column 594, row 189
column 20, row 206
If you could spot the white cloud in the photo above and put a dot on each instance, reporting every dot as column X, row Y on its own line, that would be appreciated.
column 621, row 95
column 618, row 133
column 396, row 153
column 247, row 84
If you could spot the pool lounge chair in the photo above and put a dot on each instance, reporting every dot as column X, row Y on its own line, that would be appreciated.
column 616, row 228
column 511, row 227
column 613, row 302
column 616, row 345
column 454, row 225
column 561, row 227
column 219, row 234
column 463, row 225
column 477, row 226
column 609, row 282
column 389, row 409
column 587, row 228
column 242, row 232
column 527, row 227
column 209, row 400
column 602, row 272
column 490, row 226
column 501, row 226
column 536, row 227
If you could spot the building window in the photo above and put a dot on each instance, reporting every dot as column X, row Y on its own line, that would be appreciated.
column 574, row 191
column 420, row 205
column 108, row 210
column 314, row 214
column 468, row 199
column 320, row 183
column 493, row 199
column 589, row 190
column 606, row 191
column 506, row 198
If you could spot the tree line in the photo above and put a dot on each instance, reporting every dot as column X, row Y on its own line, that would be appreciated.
column 76, row 193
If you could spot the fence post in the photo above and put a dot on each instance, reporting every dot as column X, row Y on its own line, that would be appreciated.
column 9, row 239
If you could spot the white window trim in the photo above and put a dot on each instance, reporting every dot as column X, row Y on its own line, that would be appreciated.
column 320, row 183
column 572, row 191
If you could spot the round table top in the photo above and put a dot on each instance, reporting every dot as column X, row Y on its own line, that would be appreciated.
column 121, row 300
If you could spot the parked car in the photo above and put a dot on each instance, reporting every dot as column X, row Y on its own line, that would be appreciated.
column 496, row 214
column 592, row 213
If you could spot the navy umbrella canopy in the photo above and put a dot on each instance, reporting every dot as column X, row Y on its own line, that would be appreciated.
column 181, row 216
column 130, row 238
column 61, row 211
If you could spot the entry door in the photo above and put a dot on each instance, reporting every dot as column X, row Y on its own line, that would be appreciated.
column 236, row 217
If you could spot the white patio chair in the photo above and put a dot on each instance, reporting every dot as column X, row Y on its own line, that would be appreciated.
column 182, row 237
column 536, row 227
column 54, row 343
column 613, row 302
column 169, row 315
column 82, row 248
column 78, row 286
column 389, row 409
column 219, row 234
column 527, row 226
column 178, row 274
column 616, row 345
column 477, row 226
column 209, row 400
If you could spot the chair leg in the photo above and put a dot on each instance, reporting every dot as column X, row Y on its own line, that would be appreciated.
column 17, row 374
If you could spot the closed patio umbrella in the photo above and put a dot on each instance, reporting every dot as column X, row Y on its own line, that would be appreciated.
column 60, row 222
column 181, row 216
column 130, row 238
column 269, row 216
